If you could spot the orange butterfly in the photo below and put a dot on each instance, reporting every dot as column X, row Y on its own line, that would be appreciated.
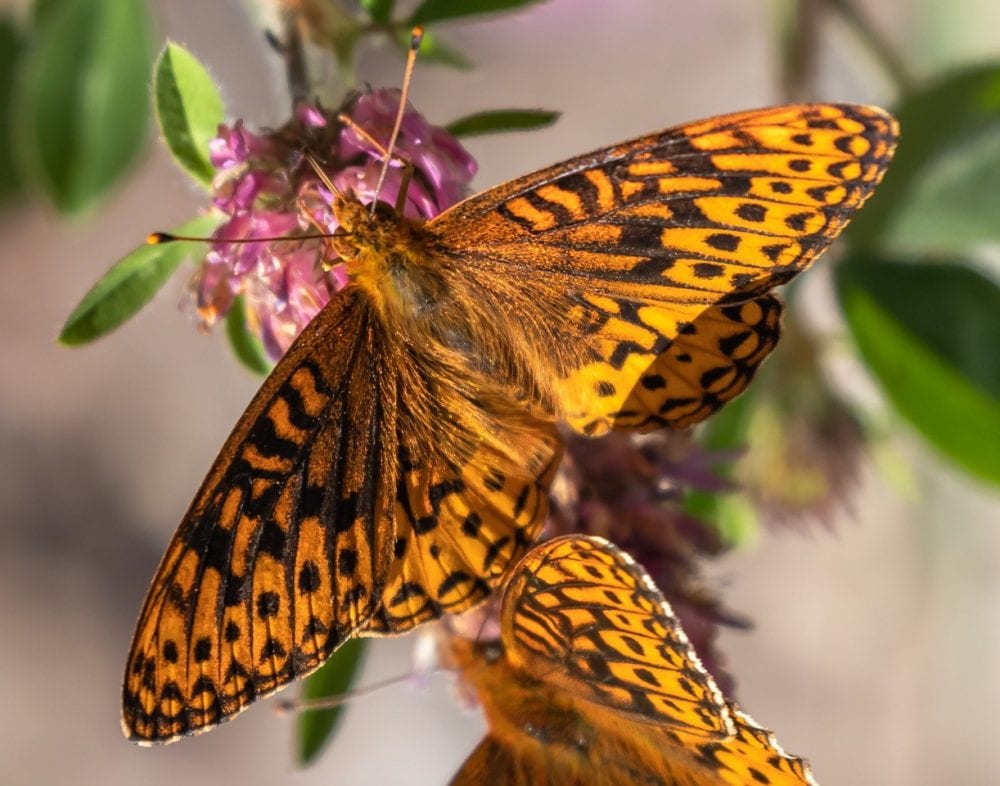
column 593, row 683
column 395, row 464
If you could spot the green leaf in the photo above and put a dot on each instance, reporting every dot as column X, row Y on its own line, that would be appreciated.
column 498, row 120
column 938, row 185
column 40, row 9
column 955, row 205
column 81, row 104
column 929, row 332
column 380, row 11
column 246, row 346
column 188, row 109
column 443, row 10
column 334, row 678
column 11, row 46
column 130, row 284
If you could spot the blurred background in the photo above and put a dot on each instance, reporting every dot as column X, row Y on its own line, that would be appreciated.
column 876, row 646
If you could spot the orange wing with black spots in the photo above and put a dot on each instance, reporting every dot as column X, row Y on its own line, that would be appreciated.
column 396, row 462
column 648, row 253
column 581, row 613
column 593, row 683
column 322, row 518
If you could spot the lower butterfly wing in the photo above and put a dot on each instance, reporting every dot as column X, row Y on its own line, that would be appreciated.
column 460, row 528
column 495, row 763
column 581, row 615
column 594, row 684
column 640, row 272
column 707, row 364
column 751, row 757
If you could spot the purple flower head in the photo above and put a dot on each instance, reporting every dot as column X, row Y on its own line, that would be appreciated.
column 432, row 151
column 233, row 146
column 267, row 188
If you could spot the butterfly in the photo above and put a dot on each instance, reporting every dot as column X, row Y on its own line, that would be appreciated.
column 593, row 683
column 395, row 464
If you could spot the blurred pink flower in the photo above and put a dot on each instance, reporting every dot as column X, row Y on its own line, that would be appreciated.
column 267, row 188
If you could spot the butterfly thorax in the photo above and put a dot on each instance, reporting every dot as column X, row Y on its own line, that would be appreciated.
column 450, row 346
column 385, row 254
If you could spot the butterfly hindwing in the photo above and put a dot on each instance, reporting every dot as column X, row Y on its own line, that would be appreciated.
column 457, row 532
column 630, row 246
column 584, row 614
column 273, row 564
column 494, row 763
column 750, row 757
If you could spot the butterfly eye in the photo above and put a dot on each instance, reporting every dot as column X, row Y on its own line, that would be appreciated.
column 492, row 651
column 384, row 210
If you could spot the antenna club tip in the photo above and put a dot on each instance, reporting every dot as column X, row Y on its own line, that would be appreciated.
column 157, row 238
column 416, row 37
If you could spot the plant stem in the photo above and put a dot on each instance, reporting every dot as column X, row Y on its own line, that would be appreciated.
column 876, row 44
column 295, row 60
column 798, row 26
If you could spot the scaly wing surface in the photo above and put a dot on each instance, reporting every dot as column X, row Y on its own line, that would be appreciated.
column 641, row 271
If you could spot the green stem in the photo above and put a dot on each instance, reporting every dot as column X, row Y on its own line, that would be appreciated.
column 876, row 44
column 798, row 26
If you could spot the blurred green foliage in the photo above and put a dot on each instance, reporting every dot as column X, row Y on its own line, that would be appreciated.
column 940, row 193
column 11, row 44
column 80, row 102
column 929, row 332
column 247, row 347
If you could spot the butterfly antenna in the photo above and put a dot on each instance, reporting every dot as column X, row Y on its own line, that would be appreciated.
column 416, row 37
column 323, row 177
column 332, row 702
column 160, row 238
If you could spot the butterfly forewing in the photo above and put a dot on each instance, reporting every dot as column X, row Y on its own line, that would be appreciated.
column 273, row 564
column 329, row 513
column 630, row 246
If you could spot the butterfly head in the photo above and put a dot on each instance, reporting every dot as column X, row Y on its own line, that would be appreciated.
column 359, row 226
column 386, row 254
